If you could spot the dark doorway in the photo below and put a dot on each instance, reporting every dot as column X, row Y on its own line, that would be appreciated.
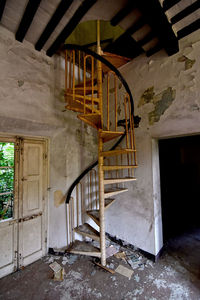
column 180, row 184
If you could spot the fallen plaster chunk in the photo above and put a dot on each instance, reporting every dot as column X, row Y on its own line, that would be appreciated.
column 111, row 266
column 55, row 266
column 121, row 255
column 58, row 271
column 134, row 260
column 49, row 260
column 124, row 271
column 110, row 251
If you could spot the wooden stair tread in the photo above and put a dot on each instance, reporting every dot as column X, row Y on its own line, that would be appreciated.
column 118, row 180
column 79, row 97
column 112, row 192
column 110, row 168
column 88, row 83
column 115, row 60
column 78, row 107
column 93, row 119
column 88, row 91
column 89, row 231
column 109, row 135
column 108, row 202
column 94, row 215
column 117, row 152
column 84, row 248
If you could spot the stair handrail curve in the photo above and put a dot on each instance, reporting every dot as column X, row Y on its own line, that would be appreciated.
column 124, row 83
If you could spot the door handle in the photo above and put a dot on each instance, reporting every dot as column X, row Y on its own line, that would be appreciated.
column 24, row 179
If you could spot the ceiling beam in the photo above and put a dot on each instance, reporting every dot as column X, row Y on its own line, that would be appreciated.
column 189, row 29
column 185, row 12
column 167, row 4
column 136, row 26
column 27, row 19
column 156, row 18
column 55, row 19
column 2, row 6
column 147, row 38
column 125, row 45
column 78, row 15
column 122, row 13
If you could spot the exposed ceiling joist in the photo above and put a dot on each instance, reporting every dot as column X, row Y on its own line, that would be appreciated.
column 78, row 15
column 122, row 13
column 156, row 18
column 136, row 26
column 147, row 38
column 2, row 6
column 55, row 19
column 167, row 4
column 27, row 19
column 132, row 47
column 125, row 46
column 189, row 29
column 185, row 12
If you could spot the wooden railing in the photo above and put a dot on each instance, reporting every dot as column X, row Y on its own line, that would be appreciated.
column 81, row 82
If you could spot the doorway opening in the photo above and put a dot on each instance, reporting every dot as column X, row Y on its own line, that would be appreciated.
column 180, row 185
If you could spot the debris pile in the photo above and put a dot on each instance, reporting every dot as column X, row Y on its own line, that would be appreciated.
column 122, row 259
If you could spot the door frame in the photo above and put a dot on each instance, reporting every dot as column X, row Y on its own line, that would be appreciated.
column 18, row 188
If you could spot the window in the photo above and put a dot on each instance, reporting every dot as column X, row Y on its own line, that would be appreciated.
column 6, row 180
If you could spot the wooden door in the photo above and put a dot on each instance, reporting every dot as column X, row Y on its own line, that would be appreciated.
column 32, row 203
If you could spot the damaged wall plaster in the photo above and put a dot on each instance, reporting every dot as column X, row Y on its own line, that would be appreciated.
column 161, row 102
column 166, row 95
column 59, row 198
column 32, row 104
column 188, row 62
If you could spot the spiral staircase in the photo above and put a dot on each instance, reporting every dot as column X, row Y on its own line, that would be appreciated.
column 95, row 89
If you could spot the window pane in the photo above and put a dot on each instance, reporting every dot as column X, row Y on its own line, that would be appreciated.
column 6, row 154
column 6, row 180
column 6, row 206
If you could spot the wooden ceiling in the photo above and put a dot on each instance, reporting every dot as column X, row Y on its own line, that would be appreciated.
column 150, row 25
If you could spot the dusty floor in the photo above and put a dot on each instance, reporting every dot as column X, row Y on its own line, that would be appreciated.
column 176, row 276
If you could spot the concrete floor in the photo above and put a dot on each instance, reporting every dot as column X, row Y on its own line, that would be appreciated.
column 176, row 276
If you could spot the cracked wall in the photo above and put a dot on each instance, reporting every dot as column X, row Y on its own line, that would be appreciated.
column 166, row 93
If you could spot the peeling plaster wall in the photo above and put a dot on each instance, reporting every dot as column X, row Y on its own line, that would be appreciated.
column 32, row 104
column 166, row 93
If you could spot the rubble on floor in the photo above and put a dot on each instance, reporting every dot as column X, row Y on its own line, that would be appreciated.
column 168, row 279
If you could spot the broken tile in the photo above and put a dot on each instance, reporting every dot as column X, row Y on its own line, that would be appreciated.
column 120, row 255
column 124, row 271
column 55, row 266
column 110, row 251
column 58, row 271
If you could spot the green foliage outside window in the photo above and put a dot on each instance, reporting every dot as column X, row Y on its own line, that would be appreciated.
column 6, row 179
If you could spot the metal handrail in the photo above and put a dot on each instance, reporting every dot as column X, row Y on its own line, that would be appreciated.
column 123, row 81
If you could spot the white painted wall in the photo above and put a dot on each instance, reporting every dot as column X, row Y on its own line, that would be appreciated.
column 32, row 104
column 136, row 217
